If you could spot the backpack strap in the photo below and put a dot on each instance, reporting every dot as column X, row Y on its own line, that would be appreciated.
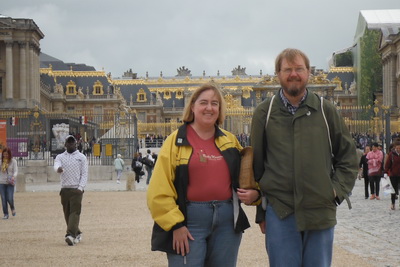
column 269, row 110
column 327, row 125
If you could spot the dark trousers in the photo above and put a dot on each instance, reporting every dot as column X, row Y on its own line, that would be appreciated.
column 71, row 200
column 394, row 180
column 366, row 184
column 374, row 184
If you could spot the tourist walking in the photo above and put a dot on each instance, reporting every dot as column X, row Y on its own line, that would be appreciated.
column 392, row 167
column 8, row 176
column 364, row 170
column 72, row 166
column 148, row 162
column 137, row 167
column 119, row 167
column 305, row 163
column 375, row 161
column 192, row 194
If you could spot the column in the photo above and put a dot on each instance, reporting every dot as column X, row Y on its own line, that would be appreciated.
column 9, row 70
column 22, row 70
column 393, row 79
column 31, row 72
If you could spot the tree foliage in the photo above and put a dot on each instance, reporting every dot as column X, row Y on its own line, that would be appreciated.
column 370, row 66
column 344, row 59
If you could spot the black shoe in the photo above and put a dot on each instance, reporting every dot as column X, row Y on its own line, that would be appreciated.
column 70, row 240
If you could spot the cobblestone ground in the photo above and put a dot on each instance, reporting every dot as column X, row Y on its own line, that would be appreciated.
column 370, row 229
column 117, row 229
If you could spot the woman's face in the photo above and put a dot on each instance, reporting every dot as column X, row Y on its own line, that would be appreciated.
column 206, row 109
column 5, row 155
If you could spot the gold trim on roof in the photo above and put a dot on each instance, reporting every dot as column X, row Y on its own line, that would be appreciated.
column 71, row 73
column 341, row 69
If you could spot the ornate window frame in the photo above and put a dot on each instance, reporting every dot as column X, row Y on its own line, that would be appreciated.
column 98, row 88
column 179, row 94
column 167, row 94
column 141, row 96
column 71, row 88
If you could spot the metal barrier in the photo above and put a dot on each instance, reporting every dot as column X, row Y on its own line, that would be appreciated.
column 36, row 135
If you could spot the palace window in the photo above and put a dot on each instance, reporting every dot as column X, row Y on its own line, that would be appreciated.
column 167, row 95
column 98, row 88
column 71, row 88
column 141, row 96
column 179, row 95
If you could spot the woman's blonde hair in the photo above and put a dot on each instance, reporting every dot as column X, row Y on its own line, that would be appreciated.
column 188, row 115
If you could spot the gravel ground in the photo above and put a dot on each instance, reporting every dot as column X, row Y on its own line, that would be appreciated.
column 116, row 229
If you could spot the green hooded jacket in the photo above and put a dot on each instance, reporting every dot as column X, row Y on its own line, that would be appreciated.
column 294, row 165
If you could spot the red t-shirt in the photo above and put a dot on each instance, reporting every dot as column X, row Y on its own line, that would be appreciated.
column 209, row 177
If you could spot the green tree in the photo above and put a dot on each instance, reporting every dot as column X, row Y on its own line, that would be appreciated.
column 344, row 59
column 370, row 66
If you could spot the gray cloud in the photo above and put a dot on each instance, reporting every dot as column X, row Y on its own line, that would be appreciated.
column 204, row 35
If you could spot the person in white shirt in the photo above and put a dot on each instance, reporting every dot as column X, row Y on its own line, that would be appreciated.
column 72, row 166
column 119, row 167
column 149, row 168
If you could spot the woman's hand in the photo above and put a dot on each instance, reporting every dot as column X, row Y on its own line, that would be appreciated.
column 248, row 196
column 180, row 241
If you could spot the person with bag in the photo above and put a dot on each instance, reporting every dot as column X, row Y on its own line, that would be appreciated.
column 375, row 160
column 8, row 176
column 193, row 195
column 148, row 162
column 119, row 167
column 137, row 167
column 305, row 163
column 392, row 167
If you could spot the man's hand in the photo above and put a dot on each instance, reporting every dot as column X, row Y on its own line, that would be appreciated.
column 60, row 170
column 247, row 196
column 180, row 241
column 262, row 227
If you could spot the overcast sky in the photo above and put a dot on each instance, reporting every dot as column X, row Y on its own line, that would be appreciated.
column 209, row 35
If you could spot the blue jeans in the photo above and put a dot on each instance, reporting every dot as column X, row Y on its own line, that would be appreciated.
column 215, row 242
column 149, row 173
column 7, row 196
column 286, row 246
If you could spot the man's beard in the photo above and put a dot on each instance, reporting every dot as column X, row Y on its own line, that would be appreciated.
column 295, row 91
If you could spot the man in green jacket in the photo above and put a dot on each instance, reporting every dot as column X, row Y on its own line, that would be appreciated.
column 305, row 163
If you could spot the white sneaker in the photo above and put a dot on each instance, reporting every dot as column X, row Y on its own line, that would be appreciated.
column 70, row 240
column 78, row 239
column 118, row 182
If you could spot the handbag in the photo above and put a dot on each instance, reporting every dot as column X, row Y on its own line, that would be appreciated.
column 386, row 185
column 246, row 174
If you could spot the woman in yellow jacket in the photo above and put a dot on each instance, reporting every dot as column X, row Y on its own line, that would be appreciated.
column 194, row 195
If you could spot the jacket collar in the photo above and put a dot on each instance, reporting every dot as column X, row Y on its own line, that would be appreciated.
column 181, row 137
column 312, row 100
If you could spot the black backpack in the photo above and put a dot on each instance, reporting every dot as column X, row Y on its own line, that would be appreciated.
column 148, row 162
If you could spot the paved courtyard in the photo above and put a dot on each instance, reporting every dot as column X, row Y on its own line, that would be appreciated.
column 117, row 227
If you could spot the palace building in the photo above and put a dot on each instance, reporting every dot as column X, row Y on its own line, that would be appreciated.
column 30, row 78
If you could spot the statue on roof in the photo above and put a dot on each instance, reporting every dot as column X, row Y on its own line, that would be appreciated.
column 80, row 93
column 239, row 71
column 58, row 88
column 183, row 72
